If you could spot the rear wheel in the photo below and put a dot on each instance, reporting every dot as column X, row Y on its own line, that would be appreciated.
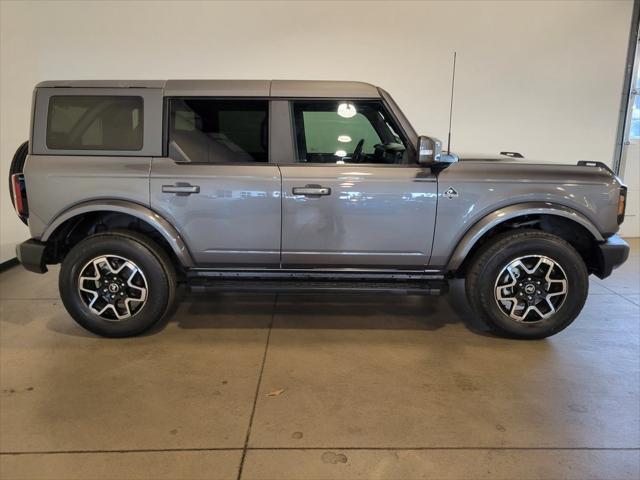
column 117, row 284
column 527, row 284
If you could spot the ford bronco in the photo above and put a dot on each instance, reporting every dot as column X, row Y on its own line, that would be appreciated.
column 295, row 186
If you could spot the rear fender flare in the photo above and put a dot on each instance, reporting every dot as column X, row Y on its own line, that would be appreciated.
column 159, row 223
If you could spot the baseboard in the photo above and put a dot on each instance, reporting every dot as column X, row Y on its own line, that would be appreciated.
column 12, row 262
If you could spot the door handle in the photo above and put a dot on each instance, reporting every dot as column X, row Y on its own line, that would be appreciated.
column 311, row 190
column 181, row 189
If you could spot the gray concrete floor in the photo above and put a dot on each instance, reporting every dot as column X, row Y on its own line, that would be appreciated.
column 373, row 387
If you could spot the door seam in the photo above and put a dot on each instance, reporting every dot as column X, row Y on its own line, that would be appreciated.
column 435, row 222
column 149, row 182
column 281, row 215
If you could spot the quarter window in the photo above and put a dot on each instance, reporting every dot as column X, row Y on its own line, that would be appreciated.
column 218, row 131
column 346, row 132
column 82, row 122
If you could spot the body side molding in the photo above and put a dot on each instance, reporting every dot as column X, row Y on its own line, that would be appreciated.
column 482, row 226
column 145, row 214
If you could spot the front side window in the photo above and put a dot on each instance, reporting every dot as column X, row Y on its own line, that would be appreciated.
column 330, row 131
column 218, row 131
column 95, row 122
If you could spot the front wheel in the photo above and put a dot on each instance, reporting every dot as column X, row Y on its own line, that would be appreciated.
column 527, row 284
column 117, row 284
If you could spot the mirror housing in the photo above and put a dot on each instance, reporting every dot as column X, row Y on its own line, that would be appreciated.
column 429, row 150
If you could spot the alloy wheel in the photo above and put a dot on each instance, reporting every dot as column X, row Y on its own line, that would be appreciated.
column 112, row 287
column 531, row 288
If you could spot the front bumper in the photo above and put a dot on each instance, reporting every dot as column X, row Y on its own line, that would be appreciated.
column 612, row 253
column 31, row 254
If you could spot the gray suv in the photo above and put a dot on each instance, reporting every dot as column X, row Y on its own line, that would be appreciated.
column 295, row 186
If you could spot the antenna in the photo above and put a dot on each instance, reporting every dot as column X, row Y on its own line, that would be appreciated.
column 453, row 82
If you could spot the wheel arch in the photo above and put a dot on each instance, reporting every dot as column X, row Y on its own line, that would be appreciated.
column 98, row 209
column 553, row 218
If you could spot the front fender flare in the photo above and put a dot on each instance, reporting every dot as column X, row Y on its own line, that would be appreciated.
column 471, row 237
column 169, row 233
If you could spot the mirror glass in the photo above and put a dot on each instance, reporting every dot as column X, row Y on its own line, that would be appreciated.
column 429, row 150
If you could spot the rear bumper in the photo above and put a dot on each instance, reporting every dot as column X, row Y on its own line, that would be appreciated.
column 612, row 253
column 31, row 254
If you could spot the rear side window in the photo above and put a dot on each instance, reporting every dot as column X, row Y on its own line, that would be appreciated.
column 79, row 122
column 218, row 131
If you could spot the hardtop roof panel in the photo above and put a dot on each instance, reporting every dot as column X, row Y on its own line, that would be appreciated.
column 234, row 88
column 323, row 88
column 101, row 84
column 217, row 88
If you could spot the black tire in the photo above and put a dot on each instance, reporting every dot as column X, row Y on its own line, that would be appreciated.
column 17, row 166
column 488, row 264
column 153, row 263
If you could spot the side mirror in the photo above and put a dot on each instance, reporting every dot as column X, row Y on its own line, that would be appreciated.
column 429, row 150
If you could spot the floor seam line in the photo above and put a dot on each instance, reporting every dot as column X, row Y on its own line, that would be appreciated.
column 622, row 296
column 447, row 448
column 610, row 290
column 616, row 293
column 628, row 299
column 255, row 398
column 133, row 450
column 606, row 288
column 235, row 449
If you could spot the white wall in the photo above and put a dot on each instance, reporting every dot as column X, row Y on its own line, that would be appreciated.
column 543, row 78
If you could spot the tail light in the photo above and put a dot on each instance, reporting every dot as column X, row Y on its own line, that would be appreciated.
column 19, row 193
column 622, row 203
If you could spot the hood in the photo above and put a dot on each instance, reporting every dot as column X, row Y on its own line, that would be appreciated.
column 510, row 160
column 512, row 157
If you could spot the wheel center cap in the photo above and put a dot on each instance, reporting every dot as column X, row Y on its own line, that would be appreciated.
column 529, row 288
column 114, row 287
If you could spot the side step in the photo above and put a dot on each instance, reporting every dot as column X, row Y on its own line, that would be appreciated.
column 416, row 287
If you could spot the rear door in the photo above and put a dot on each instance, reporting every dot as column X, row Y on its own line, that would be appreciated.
column 216, row 185
column 352, row 194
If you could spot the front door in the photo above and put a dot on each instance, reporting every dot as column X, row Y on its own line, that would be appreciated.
column 216, row 186
column 354, row 197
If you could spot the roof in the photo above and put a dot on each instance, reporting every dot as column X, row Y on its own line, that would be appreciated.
column 102, row 84
column 322, row 88
column 234, row 88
